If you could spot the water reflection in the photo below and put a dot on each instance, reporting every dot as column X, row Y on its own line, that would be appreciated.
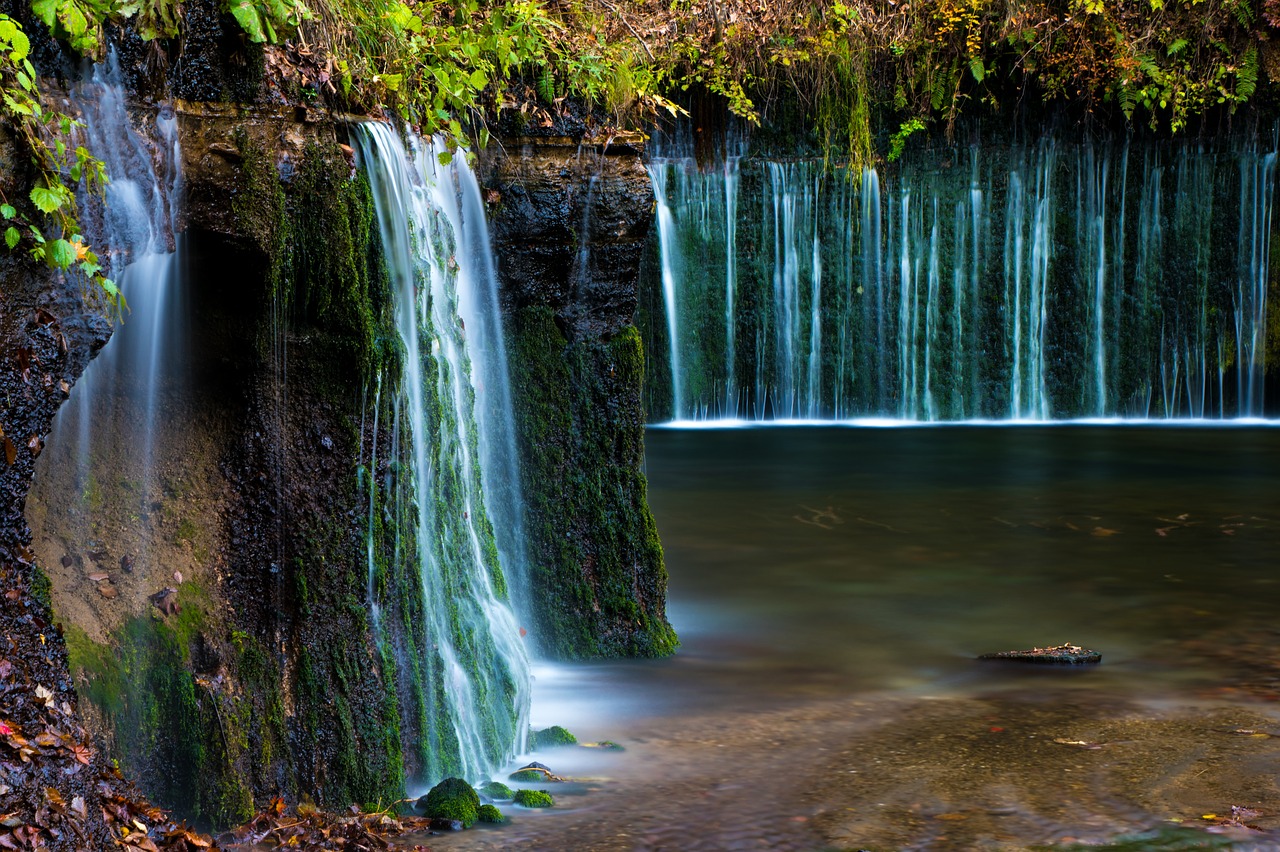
column 847, row 560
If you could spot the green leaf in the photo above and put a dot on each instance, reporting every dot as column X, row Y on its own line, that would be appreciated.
column 90, row 269
column 11, row 237
column 109, row 287
column 15, row 107
column 977, row 69
column 391, row 81
column 74, row 20
column 17, row 38
column 7, row 211
column 61, row 254
column 478, row 80
column 247, row 15
column 47, row 200
column 445, row 158
column 46, row 11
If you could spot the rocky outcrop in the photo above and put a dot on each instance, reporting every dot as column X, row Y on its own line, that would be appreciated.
column 232, row 658
column 570, row 217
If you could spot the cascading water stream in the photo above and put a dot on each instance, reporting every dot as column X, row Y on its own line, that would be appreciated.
column 122, row 391
column 1036, row 282
column 452, row 414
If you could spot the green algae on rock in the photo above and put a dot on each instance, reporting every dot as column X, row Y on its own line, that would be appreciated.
column 534, row 799
column 553, row 737
column 452, row 799
column 490, row 814
column 496, row 790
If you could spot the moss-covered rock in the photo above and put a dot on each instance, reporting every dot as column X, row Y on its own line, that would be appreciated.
column 534, row 799
column 526, row 776
column 570, row 279
column 553, row 737
column 490, row 814
column 452, row 798
column 496, row 790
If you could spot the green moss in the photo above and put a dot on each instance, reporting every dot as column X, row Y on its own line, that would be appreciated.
column 534, row 799
column 179, row 732
column 452, row 798
column 526, row 776
column 496, row 790
column 553, row 737
column 598, row 579
column 490, row 814
column 98, row 669
column 41, row 588
column 186, row 531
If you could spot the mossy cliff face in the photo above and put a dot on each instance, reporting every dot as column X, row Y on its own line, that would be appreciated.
column 264, row 676
column 569, row 220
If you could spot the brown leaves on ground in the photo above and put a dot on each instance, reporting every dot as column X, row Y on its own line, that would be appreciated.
column 47, row 766
column 305, row 827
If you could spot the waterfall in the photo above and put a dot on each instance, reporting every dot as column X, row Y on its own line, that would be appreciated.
column 670, row 254
column 123, row 390
column 451, row 405
column 1047, row 280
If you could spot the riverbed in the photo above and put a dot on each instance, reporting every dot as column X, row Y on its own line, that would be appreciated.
column 832, row 587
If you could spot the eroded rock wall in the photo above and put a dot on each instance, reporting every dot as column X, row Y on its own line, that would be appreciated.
column 259, row 675
column 570, row 217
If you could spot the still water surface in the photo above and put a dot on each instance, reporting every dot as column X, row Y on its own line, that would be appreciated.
column 840, row 560
column 832, row 587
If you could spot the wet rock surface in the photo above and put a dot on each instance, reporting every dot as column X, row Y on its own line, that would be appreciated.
column 1057, row 655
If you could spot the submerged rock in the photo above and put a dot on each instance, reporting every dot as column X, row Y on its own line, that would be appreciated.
column 603, row 745
column 533, row 772
column 451, row 800
column 1061, row 655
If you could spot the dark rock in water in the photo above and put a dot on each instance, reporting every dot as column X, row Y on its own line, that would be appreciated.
column 126, row 563
column 533, row 772
column 1059, row 655
column 67, row 561
column 443, row 824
